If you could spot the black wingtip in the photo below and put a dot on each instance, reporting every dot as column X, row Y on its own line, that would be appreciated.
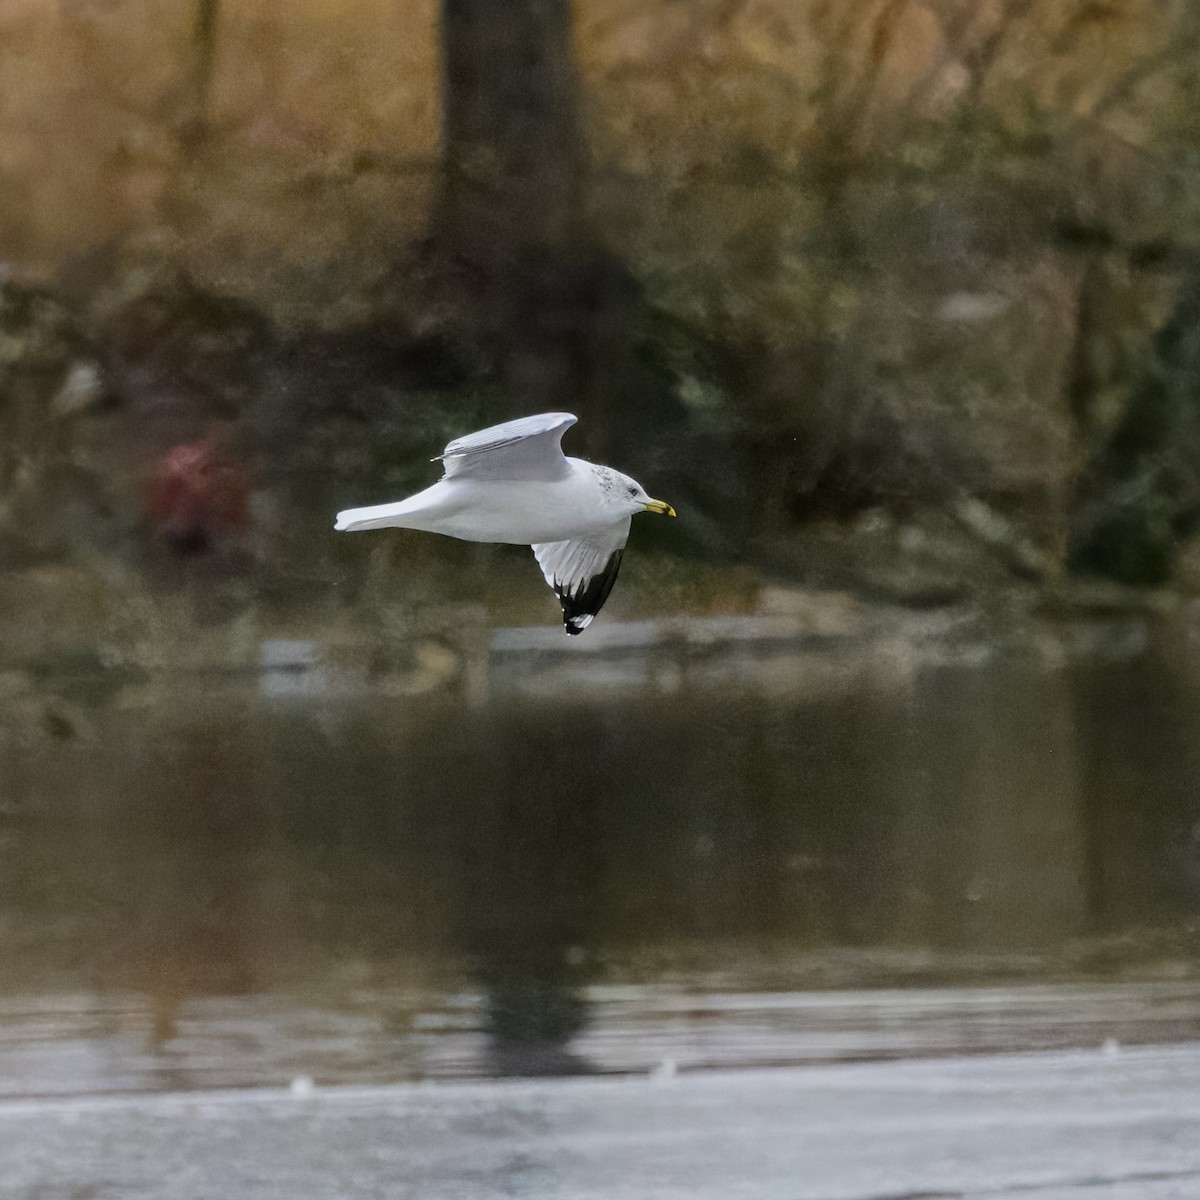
column 582, row 604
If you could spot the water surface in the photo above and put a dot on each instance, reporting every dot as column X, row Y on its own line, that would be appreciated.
column 817, row 857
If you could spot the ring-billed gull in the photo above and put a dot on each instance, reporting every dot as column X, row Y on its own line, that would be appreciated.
column 512, row 483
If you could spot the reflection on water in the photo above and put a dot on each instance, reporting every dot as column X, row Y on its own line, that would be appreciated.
column 230, row 889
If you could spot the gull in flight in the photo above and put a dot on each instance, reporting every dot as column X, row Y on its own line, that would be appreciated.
column 512, row 483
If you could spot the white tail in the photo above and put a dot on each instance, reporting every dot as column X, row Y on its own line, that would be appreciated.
column 379, row 516
column 413, row 513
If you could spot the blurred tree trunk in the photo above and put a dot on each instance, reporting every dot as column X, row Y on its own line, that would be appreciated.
column 513, row 156
column 559, row 315
column 194, row 127
column 191, row 123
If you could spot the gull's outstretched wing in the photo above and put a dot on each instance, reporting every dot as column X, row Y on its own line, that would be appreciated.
column 527, row 448
column 583, row 572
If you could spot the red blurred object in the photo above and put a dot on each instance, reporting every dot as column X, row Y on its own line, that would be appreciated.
column 199, row 496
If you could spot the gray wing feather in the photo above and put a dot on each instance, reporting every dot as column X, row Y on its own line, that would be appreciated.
column 528, row 448
column 582, row 572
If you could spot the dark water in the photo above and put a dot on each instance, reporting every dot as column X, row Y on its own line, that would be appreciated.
column 221, row 887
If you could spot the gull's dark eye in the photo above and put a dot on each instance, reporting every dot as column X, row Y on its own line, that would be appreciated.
column 633, row 491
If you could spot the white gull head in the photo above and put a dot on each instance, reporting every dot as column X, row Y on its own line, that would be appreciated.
column 625, row 496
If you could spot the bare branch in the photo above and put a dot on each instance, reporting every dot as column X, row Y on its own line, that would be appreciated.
column 982, row 58
column 847, row 117
column 1123, row 89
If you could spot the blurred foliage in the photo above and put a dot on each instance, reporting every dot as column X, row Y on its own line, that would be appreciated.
column 926, row 258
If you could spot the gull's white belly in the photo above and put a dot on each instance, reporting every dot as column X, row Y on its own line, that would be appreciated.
column 487, row 511
column 524, row 512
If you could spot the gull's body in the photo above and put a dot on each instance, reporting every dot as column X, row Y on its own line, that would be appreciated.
column 511, row 483
column 477, row 510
